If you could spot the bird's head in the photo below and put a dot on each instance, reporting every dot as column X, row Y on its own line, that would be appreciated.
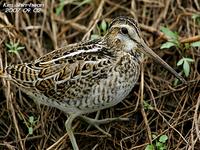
column 125, row 34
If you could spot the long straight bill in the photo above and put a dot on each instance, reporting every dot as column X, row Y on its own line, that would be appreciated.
column 151, row 53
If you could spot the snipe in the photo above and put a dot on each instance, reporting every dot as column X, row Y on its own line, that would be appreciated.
column 88, row 76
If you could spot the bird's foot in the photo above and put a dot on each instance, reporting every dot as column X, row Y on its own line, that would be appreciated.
column 96, row 122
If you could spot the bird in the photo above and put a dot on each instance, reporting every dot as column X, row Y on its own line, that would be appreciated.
column 87, row 76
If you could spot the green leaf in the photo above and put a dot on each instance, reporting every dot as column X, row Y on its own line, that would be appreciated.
column 30, row 130
column 186, row 65
column 149, row 147
column 147, row 106
column 187, row 45
column 195, row 44
column 169, row 33
column 163, row 148
column 189, row 59
column 167, row 45
column 59, row 9
column 20, row 48
column 31, row 119
column 195, row 16
column 159, row 145
column 94, row 36
column 180, row 62
column 163, row 138
column 7, row 45
column 12, row 51
column 175, row 82
column 154, row 136
column 186, row 68
column 15, row 45
column 103, row 25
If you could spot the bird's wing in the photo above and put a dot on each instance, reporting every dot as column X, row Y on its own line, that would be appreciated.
column 61, row 68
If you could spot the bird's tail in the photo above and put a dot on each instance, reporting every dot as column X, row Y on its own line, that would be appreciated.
column 19, row 74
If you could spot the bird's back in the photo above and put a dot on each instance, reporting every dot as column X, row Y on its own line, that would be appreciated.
column 86, row 76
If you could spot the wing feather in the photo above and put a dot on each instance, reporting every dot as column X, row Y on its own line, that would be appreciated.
column 62, row 68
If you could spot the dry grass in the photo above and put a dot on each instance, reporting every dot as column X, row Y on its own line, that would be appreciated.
column 175, row 112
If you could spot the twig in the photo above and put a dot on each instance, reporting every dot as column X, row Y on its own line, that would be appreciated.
column 142, row 107
column 196, row 118
column 94, row 20
column 190, row 39
column 162, row 14
column 57, row 142
column 10, row 105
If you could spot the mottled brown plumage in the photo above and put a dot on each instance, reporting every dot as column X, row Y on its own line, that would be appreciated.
column 87, row 76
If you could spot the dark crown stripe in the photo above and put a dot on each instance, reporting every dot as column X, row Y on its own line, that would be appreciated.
column 126, row 20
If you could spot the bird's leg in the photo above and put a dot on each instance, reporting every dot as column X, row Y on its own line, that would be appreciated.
column 96, row 122
column 96, row 118
column 68, row 126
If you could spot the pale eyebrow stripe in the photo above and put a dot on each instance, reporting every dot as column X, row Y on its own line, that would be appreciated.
column 126, row 27
column 136, row 27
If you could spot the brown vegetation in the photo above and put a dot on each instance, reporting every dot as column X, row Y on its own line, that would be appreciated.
column 175, row 110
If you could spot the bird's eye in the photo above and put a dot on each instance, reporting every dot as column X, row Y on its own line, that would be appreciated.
column 124, row 30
